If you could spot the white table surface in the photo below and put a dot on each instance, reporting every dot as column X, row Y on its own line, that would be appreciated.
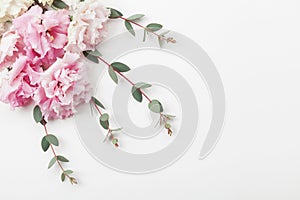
column 255, row 45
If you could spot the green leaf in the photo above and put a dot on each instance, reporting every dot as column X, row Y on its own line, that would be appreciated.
column 129, row 28
column 68, row 172
column 93, row 53
column 120, row 67
column 62, row 159
column 97, row 102
column 135, row 90
column 135, row 17
column 90, row 57
column 73, row 181
column 115, row 141
column 52, row 162
column 167, row 126
column 37, row 114
column 164, row 33
column 63, row 177
column 113, row 74
column 116, row 129
column 104, row 124
column 170, row 116
column 59, row 4
column 160, row 42
column 144, row 38
column 136, row 93
column 52, row 139
column 155, row 106
column 114, row 13
column 45, row 144
column 142, row 85
column 154, row 27
column 104, row 117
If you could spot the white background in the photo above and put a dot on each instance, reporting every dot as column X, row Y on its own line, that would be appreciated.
column 255, row 45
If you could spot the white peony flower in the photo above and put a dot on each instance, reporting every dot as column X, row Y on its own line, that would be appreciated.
column 11, row 9
column 87, row 28
column 48, row 2
column 72, row 3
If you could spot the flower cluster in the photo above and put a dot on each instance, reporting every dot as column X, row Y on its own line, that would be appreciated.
column 41, row 56
column 44, row 49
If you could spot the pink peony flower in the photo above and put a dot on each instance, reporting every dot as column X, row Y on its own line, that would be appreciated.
column 44, row 35
column 11, row 47
column 20, row 83
column 33, row 44
column 63, row 88
column 87, row 28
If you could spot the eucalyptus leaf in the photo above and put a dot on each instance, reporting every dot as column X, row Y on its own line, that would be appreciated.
column 155, row 106
column 170, row 116
column 37, row 114
column 105, row 124
column 114, row 13
column 154, row 27
column 142, row 85
column 104, row 117
column 117, row 129
column 137, row 95
column 129, row 28
column 113, row 75
column 160, row 42
column 52, row 162
column 63, row 177
column 62, row 159
column 97, row 102
column 68, row 172
column 135, row 17
column 59, row 4
column 45, row 144
column 164, row 33
column 115, row 141
column 90, row 57
column 120, row 67
column 73, row 181
column 144, row 38
column 52, row 139
column 93, row 53
column 135, row 90
column 167, row 126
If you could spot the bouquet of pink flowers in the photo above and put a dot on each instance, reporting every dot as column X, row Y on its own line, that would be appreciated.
column 44, row 48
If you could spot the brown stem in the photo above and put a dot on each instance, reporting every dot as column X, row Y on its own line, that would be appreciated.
column 40, row 5
column 126, row 78
column 99, row 111
column 54, row 153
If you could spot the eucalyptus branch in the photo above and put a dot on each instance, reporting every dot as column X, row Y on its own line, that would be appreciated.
column 137, row 89
column 56, row 5
column 151, row 28
column 50, row 140
column 104, row 122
